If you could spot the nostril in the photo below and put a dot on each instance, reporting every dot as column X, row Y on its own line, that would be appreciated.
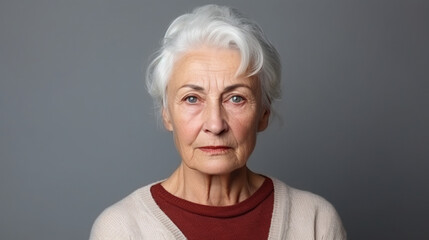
column 216, row 127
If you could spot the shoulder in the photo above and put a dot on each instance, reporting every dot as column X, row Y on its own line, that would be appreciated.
column 309, row 213
column 122, row 219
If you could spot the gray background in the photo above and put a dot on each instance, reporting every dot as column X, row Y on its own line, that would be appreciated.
column 78, row 131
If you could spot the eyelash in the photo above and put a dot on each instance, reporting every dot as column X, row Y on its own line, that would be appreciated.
column 194, row 99
column 237, row 96
column 187, row 99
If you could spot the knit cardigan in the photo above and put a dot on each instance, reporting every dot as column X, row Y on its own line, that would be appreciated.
column 296, row 215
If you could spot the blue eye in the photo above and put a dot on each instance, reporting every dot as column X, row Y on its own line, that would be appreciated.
column 191, row 99
column 236, row 99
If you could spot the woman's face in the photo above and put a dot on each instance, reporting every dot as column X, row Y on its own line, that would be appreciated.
column 214, row 115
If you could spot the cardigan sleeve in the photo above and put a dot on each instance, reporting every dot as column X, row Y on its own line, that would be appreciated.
column 134, row 217
column 328, row 224
column 110, row 224
column 313, row 217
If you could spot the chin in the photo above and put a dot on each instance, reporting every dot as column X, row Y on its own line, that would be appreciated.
column 216, row 167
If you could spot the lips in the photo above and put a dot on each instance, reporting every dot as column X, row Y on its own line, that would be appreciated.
column 215, row 149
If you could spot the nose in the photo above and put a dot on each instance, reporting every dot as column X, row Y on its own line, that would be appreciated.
column 214, row 122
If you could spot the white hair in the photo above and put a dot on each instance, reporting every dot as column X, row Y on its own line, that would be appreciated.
column 217, row 26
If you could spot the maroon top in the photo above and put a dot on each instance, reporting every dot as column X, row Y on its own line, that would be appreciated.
column 249, row 219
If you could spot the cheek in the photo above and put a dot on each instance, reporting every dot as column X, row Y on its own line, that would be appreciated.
column 245, row 122
column 185, row 116
column 244, row 130
column 186, row 129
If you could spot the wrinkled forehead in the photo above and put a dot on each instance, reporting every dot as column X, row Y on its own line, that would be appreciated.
column 208, row 65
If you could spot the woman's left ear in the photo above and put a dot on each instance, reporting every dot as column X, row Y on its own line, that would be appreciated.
column 263, row 122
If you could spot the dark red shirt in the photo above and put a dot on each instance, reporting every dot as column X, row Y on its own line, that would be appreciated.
column 249, row 219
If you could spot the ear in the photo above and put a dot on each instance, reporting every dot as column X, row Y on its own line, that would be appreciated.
column 166, row 120
column 263, row 122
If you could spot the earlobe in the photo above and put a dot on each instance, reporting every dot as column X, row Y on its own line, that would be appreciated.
column 263, row 122
column 166, row 120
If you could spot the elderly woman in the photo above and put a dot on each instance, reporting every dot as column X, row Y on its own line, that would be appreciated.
column 214, row 80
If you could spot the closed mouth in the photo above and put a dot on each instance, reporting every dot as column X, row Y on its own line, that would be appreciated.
column 215, row 149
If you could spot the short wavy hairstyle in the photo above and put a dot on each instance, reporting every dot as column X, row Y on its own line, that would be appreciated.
column 217, row 26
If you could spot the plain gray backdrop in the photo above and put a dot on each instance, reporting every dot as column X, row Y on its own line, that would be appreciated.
column 78, row 131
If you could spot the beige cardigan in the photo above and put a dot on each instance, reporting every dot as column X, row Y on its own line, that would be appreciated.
column 296, row 215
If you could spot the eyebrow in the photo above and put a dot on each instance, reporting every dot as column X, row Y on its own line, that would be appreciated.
column 227, row 89
column 235, row 86
column 192, row 86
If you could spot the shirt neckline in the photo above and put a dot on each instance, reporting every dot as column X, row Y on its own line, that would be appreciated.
column 264, row 191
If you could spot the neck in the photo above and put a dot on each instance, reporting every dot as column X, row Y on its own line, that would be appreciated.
column 213, row 190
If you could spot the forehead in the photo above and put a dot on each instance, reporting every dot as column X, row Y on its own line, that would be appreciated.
column 205, row 63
